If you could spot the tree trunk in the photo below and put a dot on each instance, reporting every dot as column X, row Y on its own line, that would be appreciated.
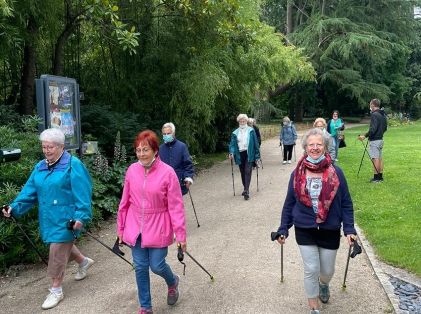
column 59, row 49
column 323, row 9
column 26, row 105
column 290, row 25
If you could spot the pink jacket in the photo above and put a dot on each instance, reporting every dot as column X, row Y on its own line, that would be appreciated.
column 152, row 205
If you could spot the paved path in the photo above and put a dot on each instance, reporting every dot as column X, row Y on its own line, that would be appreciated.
column 232, row 243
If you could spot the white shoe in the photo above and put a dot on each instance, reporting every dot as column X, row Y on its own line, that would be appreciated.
column 289, row 161
column 81, row 272
column 284, row 162
column 52, row 300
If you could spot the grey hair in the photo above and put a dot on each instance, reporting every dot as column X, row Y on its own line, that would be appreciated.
column 54, row 135
column 251, row 121
column 286, row 119
column 315, row 132
column 169, row 125
column 242, row 116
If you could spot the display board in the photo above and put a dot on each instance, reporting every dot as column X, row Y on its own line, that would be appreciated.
column 58, row 104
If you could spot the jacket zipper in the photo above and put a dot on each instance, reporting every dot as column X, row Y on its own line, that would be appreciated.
column 142, row 217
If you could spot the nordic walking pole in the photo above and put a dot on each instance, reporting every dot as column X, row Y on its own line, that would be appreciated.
column 194, row 209
column 257, row 178
column 365, row 148
column 356, row 249
column 29, row 240
column 70, row 224
column 232, row 174
column 261, row 162
column 180, row 256
column 274, row 236
column 361, row 162
column 346, row 268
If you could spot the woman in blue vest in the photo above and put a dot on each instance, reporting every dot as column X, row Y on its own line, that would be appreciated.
column 334, row 126
column 244, row 149
column 61, row 186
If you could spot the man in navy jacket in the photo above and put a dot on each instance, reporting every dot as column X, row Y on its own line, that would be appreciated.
column 175, row 153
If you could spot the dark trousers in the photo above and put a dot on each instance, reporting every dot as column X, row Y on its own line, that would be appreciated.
column 288, row 152
column 246, row 168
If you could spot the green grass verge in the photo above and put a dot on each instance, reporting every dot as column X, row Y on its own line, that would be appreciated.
column 389, row 213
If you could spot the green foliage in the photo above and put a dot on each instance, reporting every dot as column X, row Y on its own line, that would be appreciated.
column 388, row 212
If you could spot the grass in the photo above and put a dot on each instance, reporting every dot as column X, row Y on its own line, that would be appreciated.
column 389, row 213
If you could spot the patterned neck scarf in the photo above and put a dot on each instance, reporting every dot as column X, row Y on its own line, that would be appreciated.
column 330, row 184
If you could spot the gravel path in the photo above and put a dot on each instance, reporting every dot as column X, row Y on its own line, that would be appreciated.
column 233, row 243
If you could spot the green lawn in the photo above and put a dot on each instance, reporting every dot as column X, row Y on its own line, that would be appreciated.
column 390, row 212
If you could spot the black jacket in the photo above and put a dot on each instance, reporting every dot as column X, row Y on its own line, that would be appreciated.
column 378, row 125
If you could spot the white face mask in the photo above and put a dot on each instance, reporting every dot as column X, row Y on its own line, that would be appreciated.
column 149, row 164
column 243, row 126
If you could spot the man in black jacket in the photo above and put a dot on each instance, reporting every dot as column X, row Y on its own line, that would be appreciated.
column 378, row 125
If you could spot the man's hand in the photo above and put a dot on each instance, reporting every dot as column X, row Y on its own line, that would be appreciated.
column 361, row 137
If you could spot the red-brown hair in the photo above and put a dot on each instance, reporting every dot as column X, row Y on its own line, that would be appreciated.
column 147, row 137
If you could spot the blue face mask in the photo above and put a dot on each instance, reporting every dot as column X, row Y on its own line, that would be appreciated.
column 168, row 138
column 315, row 161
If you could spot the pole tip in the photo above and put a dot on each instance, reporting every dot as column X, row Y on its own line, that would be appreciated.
column 212, row 279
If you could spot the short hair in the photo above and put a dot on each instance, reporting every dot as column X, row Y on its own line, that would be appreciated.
column 54, row 135
column 286, row 119
column 242, row 116
column 312, row 132
column 147, row 137
column 375, row 102
column 335, row 111
column 169, row 125
column 319, row 120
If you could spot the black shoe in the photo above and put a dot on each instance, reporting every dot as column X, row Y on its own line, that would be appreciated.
column 376, row 180
column 246, row 197
column 244, row 193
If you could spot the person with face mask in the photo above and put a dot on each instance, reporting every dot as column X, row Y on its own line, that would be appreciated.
column 245, row 150
column 287, row 137
column 318, row 204
column 176, row 154
column 150, row 213
column 320, row 123
column 378, row 126
column 335, row 126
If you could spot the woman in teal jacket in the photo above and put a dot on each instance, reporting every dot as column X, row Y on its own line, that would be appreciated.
column 62, row 187
column 244, row 149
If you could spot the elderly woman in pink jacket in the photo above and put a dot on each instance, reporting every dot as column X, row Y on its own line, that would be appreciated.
column 151, row 211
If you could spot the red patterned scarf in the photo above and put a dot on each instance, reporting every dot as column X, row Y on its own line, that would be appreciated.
column 330, row 184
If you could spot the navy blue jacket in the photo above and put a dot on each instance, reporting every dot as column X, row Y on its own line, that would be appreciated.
column 341, row 210
column 177, row 155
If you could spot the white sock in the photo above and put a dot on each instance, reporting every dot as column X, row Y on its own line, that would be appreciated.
column 84, row 263
column 57, row 290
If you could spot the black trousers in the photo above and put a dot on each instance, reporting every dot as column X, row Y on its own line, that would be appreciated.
column 288, row 152
column 246, row 168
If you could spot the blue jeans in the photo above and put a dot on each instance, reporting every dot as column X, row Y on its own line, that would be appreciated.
column 336, row 144
column 143, row 258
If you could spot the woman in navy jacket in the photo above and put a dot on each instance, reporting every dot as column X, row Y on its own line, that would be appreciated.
column 317, row 204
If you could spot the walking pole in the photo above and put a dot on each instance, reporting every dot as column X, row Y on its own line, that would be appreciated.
column 356, row 249
column 346, row 268
column 274, row 236
column 361, row 162
column 257, row 178
column 232, row 174
column 194, row 209
column 180, row 256
column 261, row 162
column 29, row 239
column 295, row 154
column 365, row 148
column 114, row 251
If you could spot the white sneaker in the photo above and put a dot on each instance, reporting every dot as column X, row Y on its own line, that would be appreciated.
column 81, row 272
column 284, row 162
column 52, row 300
column 289, row 161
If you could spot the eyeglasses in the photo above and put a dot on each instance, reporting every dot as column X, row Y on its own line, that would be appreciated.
column 316, row 145
column 142, row 150
column 49, row 147
column 166, row 133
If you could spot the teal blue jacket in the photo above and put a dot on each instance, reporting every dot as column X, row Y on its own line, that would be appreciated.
column 63, row 193
column 253, row 149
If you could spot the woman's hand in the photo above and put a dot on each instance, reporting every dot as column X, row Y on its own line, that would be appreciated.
column 230, row 156
column 350, row 238
column 281, row 239
column 78, row 225
column 7, row 210
column 183, row 245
